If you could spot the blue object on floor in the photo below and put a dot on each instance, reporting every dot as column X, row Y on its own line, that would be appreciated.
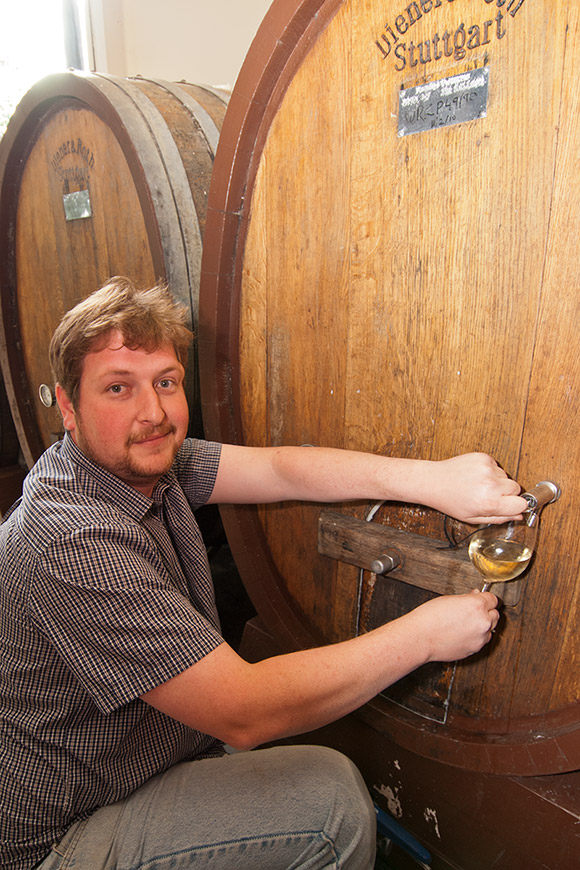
column 392, row 830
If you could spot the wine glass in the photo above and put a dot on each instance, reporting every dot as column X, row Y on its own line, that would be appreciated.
column 503, row 552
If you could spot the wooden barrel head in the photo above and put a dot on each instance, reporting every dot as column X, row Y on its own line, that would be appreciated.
column 389, row 267
column 98, row 177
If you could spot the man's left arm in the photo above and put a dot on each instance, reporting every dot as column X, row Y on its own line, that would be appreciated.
column 471, row 487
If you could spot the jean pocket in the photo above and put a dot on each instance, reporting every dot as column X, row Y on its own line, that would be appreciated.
column 61, row 855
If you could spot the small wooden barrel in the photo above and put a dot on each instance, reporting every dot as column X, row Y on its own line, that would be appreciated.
column 99, row 176
column 390, row 266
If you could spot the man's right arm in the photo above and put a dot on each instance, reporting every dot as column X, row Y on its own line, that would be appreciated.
column 248, row 704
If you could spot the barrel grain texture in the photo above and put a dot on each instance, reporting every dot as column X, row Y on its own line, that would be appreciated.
column 99, row 176
column 389, row 265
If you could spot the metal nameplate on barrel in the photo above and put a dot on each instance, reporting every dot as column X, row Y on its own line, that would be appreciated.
column 452, row 100
column 77, row 205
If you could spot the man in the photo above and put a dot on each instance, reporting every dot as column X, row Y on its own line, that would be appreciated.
column 117, row 689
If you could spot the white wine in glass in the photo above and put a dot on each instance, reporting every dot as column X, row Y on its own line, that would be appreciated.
column 498, row 559
column 503, row 552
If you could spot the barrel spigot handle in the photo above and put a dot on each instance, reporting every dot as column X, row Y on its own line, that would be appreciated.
column 544, row 492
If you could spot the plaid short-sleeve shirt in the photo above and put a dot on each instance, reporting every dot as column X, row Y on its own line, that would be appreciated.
column 104, row 594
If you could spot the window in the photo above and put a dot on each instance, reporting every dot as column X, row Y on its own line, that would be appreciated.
column 37, row 37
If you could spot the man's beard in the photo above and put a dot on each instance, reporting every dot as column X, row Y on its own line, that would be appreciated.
column 126, row 467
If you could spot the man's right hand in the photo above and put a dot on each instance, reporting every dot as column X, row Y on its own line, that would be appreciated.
column 455, row 626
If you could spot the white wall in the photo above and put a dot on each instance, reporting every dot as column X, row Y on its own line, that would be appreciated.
column 201, row 41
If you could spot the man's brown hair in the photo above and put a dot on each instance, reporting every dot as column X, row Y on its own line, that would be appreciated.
column 146, row 318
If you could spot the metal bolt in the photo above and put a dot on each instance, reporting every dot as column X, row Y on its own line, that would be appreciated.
column 384, row 564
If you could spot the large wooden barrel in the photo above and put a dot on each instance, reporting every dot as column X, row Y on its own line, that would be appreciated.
column 99, row 176
column 389, row 265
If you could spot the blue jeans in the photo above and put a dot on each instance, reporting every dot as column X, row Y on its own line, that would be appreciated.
column 270, row 809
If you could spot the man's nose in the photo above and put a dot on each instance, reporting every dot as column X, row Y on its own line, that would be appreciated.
column 150, row 406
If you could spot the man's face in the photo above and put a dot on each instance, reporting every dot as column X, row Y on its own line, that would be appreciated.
column 131, row 415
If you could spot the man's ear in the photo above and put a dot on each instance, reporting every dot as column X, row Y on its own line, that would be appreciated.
column 66, row 408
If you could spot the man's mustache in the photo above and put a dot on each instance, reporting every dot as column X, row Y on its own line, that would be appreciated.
column 153, row 432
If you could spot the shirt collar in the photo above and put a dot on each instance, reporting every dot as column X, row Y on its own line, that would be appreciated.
column 111, row 486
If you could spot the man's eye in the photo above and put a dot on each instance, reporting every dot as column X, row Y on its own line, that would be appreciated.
column 116, row 388
column 166, row 383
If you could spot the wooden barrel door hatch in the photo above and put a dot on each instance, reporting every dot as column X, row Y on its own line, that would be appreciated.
column 99, row 176
column 389, row 265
